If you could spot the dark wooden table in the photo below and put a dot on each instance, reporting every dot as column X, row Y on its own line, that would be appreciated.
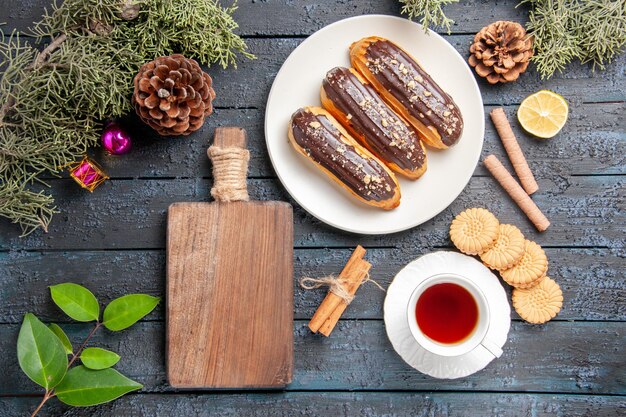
column 112, row 241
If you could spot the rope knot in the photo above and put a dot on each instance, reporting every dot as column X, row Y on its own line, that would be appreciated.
column 335, row 285
column 230, row 166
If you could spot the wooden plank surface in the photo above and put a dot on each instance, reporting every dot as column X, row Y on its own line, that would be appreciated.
column 130, row 214
column 248, row 87
column 559, row 357
column 113, row 241
column 298, row 18
column 592, row 142
column 591, row 279
column 368, row 404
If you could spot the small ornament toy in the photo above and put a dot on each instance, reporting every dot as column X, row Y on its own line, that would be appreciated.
column 87, row 174
column 115, row 139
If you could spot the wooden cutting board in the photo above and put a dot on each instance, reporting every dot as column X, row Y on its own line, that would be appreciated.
column 230, row 291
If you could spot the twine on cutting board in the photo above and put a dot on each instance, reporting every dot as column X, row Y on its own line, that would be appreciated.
column 230, row 166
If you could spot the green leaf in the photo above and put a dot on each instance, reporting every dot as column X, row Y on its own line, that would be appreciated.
column 96, row 358
column 62, row 337
column 125, row 311
column 40, row 353
column 76, row 301
column 83, row 387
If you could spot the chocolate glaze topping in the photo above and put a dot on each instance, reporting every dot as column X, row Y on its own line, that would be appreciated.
column 321, row 141
column 389, row 136
column 413, row 87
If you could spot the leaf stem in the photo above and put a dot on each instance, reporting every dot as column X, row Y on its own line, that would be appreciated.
column 50, row 393
column 80, row 349
column 45, row 398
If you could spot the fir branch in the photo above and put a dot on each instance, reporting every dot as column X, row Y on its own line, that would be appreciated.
column 604, row 25
column 198, row 29
column 29, row 209
column 47, row 51
column 564, row 30
column 53, row 101
column 429, row 11
column 39, row 60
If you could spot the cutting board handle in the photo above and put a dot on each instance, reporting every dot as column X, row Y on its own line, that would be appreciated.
column 226, row 137
column 230, row 164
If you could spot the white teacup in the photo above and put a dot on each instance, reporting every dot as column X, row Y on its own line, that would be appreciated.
column 475, row 338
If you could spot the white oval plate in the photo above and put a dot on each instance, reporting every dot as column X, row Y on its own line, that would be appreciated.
column 397, row 327
column 298, row 83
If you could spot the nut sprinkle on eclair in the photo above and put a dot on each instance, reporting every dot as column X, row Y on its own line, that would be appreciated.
column 402, row 82
column 355, row 103
column 314, row 133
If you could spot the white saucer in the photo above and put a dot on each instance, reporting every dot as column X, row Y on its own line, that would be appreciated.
column 397, row 299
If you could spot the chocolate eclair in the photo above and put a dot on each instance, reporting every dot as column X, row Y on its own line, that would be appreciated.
column 409, row 90
column 357, row 106
column 316, row 135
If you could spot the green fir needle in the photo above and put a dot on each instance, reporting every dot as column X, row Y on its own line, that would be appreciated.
column 430, row 12
column 52, row 103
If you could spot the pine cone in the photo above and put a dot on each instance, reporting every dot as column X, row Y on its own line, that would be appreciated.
column 501, row 51
column 173, row 95
column 129, row 9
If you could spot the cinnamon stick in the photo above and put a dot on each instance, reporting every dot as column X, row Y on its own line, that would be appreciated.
column 516, row 192
column 349, row 274
column 363, row 269
column 518, row 160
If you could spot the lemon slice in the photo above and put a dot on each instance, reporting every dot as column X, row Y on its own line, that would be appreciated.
column 543, row 114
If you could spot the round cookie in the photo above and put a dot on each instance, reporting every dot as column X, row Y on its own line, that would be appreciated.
column 507, row 250
column 474, row 231
column 540, row 303
column 530, row 269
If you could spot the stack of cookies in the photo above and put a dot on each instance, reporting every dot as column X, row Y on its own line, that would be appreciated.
column 522, row 263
